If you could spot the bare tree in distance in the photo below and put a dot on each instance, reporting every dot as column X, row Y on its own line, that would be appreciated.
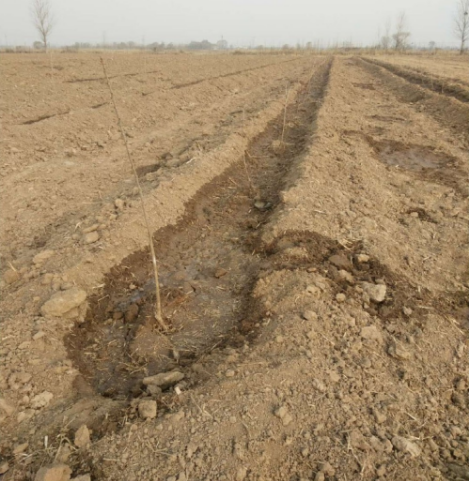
column 43, row 20
column 461, row 23
column 401, row 36
column 386, row 39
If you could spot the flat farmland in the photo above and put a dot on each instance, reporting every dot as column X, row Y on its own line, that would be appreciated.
column 309, row 215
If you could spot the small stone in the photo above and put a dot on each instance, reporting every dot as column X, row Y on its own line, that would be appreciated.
column 376, row 292
column 376, row 444
column 346, row 276
column 220, row 273
column 63, row 303
column 320, row 476
column 11, row 276
column 82, row 437
column 461, row 472
column 6, row 407
column 277, row 146
column 362, row 258
column 241, row 474
column 119, row 204
column 38, row 335
column 147, row 409
column 281, row 412
column 284, row 415
column 164, row 380
column 371, row 333
column 458, row 399
column 381, row 471
column 91, row 228
column 262, row 205
column 41, row 400
column 341, row 297
column 314, row 291
column 357, row 440
column 60, row 472
column 154, row 390
column 310, row 315
column 340, row 261
column 24, row 377
column 414, row 214
column 25, row 415
column 461, row 384
column 407, row 311
column 20, row 448
column 279, row 339
column 42, row 256
column 327, row 469
column 380, row 417
column 404, row 445
column 229, row 373
column 398, row 352
column 4, row 467
column 83, row 477
column 91, row 237
column 319, row 385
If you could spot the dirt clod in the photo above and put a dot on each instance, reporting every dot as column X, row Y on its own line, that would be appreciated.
column 82, row 438
column 64, row 303
column 11, row 276
column 147, row 409
column 376, row 292
column 41, row 400
column 405, row 445
column 60, row 472
column 91, row 237
column 164, row 380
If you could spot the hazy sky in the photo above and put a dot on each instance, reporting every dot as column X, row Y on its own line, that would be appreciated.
column 241, row 22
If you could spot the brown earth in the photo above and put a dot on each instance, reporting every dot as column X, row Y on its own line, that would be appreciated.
column 313, row 263
column 445, row 65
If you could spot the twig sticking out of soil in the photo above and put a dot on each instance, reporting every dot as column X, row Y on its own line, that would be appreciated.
column 251, row 185
column 158, row 314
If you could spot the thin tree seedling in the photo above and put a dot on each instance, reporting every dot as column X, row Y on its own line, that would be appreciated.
column 158, row 314
column 285, row 117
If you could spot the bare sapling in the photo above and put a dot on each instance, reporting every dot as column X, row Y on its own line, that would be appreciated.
column 43, row 20
column 282, row 143
column 461, row 24
column 251, row 185
column 158, row 314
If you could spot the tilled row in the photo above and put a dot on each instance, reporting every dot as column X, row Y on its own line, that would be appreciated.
column 428, row 81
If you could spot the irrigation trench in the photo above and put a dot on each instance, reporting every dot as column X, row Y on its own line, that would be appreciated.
column 209, row 263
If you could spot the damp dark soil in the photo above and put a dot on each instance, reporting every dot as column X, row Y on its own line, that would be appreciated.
column 423, row 162
column 208, row 265
column 419, row 161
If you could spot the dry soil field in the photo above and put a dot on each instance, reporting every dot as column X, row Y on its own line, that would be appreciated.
column 310, row 220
